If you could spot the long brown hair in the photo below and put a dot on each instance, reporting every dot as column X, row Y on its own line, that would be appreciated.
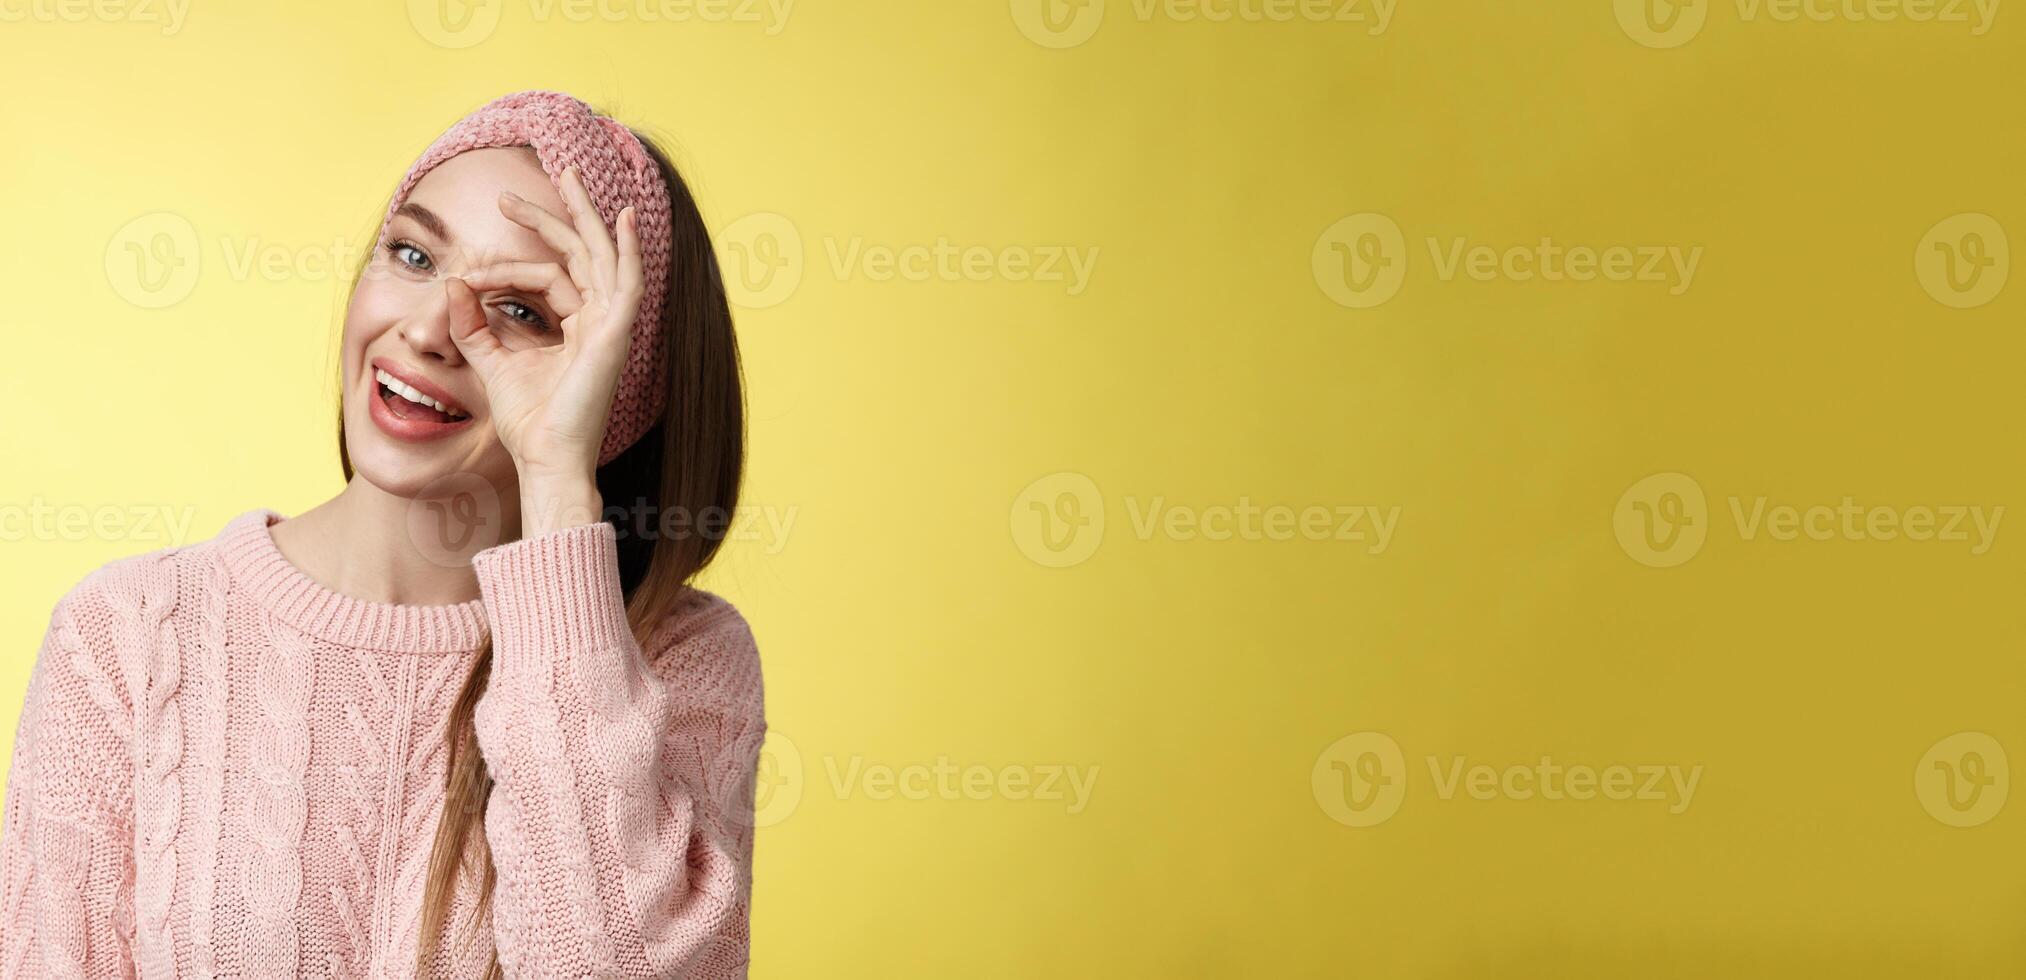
column 689, row 463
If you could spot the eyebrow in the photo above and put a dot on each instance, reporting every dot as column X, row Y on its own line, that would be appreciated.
column 427, row 219
column 433, row 224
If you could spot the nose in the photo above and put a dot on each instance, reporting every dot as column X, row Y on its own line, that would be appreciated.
column 426, row 329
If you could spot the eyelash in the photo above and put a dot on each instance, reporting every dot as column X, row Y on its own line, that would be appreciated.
column 540, row 324
column 394, row 247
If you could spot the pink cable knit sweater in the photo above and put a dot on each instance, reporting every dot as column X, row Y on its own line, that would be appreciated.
column 226, row 769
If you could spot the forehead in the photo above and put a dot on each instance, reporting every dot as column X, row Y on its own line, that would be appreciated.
column 464, row 192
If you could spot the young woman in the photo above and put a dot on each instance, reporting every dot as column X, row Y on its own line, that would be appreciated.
column 450, row 722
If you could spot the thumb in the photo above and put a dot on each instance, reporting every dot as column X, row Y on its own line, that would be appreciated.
column 468, row 328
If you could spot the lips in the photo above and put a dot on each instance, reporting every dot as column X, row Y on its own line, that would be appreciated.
column 409, row 402
column 412, row 408
column 416, row 388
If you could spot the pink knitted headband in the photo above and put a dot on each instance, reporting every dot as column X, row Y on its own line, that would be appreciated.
column 617, row 172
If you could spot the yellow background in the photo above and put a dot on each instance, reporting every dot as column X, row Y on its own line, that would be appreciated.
column 902, row 620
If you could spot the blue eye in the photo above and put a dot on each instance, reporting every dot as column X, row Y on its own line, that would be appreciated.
column 532, row 318
column 401, row 250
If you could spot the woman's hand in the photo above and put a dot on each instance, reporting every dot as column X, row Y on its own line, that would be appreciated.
column 549, row 404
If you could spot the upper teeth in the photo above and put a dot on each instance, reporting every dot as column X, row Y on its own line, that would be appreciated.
column 394, row 384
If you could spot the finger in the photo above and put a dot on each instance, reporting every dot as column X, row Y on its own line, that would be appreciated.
column 629, row 281
column 600, row 358
column 559, row 235
column 468, row 329
column 590, row 226
column 547, row 278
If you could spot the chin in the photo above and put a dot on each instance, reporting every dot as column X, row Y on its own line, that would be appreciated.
column 435, row 469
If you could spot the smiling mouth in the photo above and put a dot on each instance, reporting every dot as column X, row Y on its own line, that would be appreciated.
column 407, row 403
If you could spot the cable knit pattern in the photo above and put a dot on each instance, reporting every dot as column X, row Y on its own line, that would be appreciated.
column 66, row 852
column 623, row 776
column 423, row 807
column 278, row 805
column 206, row 758
column 151, row 678
column 224, row 769
column 361, row 778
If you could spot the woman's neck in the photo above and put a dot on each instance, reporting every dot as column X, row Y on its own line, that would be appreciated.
column 375, row 546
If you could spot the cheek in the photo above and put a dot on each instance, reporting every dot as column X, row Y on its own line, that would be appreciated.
column 368, row 315
column 376, row 305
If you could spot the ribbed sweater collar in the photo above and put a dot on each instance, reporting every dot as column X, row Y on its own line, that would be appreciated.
column 291, row 596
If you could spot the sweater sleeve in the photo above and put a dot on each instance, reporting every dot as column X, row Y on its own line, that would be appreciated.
column 621, row 812
column 66, row 843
